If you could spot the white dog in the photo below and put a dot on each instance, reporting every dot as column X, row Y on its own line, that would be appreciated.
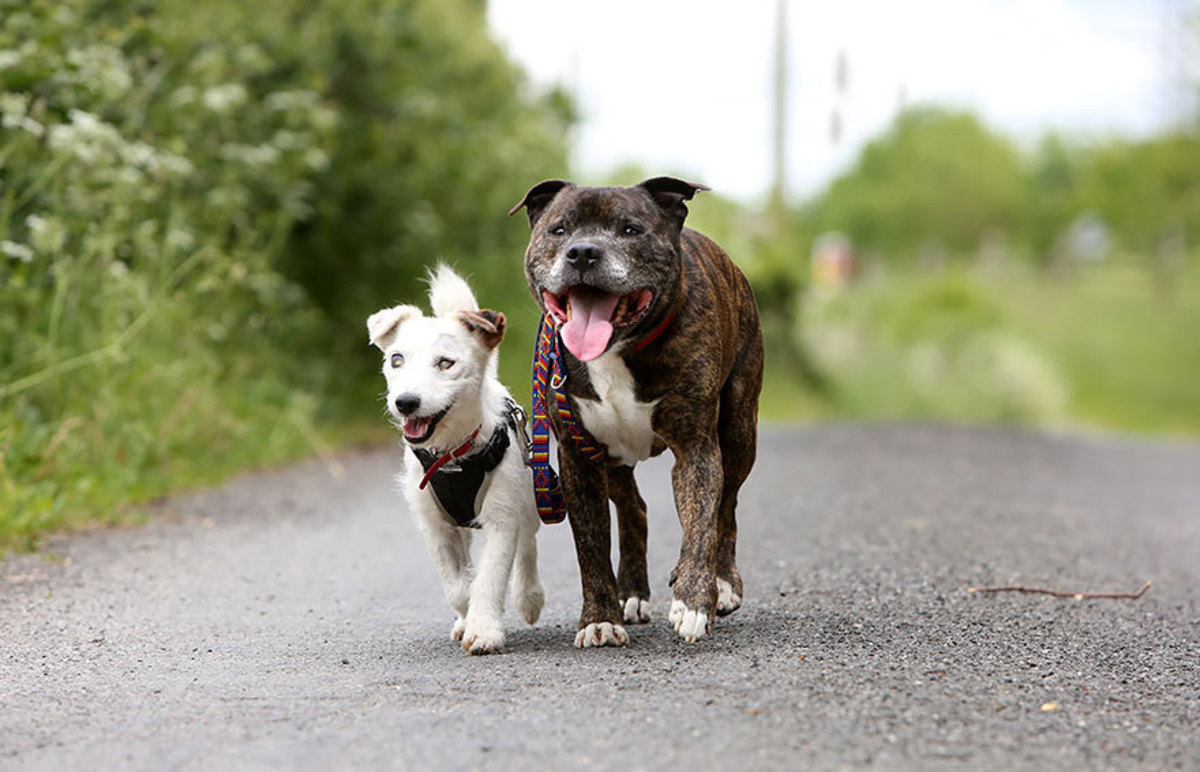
column 464, row 467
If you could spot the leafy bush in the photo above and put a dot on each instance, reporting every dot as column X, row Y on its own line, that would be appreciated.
column 929, row 347
column 181, row 179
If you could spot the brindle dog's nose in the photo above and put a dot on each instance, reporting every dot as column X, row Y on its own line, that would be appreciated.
column 583, row 256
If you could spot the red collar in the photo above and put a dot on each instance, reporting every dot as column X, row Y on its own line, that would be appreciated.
column 659, row 330
column 449, row 456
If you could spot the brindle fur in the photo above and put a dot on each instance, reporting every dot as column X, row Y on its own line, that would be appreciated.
column 704, row 371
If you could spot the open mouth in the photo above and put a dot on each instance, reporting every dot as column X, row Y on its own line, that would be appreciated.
column 417, row 430
column 588, row 316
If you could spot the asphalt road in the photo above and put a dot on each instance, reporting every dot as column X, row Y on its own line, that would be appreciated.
column 292, row 619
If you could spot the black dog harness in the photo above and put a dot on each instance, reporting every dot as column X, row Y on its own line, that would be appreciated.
column 456, row 481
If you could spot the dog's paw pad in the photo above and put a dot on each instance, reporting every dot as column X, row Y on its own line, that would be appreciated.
column 691, row 625
column 456, row 630
column 636, row 611
column 483, row 640
column 728, row 601
column 601, row 634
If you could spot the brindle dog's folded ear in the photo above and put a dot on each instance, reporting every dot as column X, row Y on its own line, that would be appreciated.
column 670, row 193
column 487, row 324
column 539, row 197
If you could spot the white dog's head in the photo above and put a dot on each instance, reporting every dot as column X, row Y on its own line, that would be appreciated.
column 435, row 365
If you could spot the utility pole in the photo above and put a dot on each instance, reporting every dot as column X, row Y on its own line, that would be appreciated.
column 778, row 204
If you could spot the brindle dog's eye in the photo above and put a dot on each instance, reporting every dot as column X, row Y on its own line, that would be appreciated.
column 632, row 230
column 445, row 364
column 397, row 360
column 557, row 230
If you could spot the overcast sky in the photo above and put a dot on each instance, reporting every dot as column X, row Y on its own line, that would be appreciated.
column 683, row 86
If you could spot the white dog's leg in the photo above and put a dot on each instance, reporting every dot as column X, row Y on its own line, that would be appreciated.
column 484, row 632
column 450, row 548
column 528, row 593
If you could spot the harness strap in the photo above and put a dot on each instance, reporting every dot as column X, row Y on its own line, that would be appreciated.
column 448, row 456
column 456, row 487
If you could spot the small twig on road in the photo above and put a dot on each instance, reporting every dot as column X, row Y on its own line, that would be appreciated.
column 1062, row 593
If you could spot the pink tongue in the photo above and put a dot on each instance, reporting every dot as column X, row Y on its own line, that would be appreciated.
column 590, row 326
column 416, row 427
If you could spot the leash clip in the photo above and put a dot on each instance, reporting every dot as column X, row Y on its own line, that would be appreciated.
column 519, row 418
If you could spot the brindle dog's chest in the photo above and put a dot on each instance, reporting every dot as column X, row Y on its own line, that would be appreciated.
column 617, row 419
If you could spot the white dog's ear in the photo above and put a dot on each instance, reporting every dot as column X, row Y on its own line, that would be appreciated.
column 449, row 293
column 487, row 325
column 382, row 325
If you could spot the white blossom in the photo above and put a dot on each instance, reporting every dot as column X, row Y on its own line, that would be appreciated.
column 17, row 251
column 223, row 98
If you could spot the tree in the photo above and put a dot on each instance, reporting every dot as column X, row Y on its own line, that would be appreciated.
column 937, row 177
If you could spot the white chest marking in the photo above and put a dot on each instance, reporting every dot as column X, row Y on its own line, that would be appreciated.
column 618, row 420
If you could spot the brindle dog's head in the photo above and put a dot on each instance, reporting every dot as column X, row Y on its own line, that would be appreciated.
column 605, row 263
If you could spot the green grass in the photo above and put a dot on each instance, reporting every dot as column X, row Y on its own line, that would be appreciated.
column 1128, row 351
column 1106, row 348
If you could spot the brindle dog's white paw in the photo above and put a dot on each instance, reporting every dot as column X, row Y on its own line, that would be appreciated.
column 636, row 611
column 691, row 625
column 483, row 638
column 728, row 601
column 456, row 630
column 601, row 634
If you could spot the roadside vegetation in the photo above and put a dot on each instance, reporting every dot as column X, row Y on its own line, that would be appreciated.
column 200, row 203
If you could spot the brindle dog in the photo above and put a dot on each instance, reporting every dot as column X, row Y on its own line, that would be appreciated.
column 662, row 345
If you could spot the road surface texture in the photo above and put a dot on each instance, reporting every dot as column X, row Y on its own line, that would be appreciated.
column 292, row 619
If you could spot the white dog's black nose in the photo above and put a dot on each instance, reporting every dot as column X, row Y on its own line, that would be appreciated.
column 408, row 403
column 583, row 256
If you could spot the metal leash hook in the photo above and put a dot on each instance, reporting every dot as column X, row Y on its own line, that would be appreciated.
column 519, row 419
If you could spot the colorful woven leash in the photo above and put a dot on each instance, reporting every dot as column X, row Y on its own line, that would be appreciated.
column 548, row 375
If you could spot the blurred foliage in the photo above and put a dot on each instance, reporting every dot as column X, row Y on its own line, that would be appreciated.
column 935, row 182
column 1054, row 286
column 201, row 201
column 930, row 346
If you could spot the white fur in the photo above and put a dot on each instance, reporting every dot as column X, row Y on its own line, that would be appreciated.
column 601, row 634
column 636, row 611
column 728, row 601
column 473, row 396
column 691, row 625
column 618, row 420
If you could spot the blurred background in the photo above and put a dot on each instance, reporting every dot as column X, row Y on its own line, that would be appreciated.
column 967, row 210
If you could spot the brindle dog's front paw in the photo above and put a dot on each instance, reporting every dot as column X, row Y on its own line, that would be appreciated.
column 691, row 624
column 601, row 634
column 729, row 599
column 636, row 610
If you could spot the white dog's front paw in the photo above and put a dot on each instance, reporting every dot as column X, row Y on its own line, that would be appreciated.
column 530, row 602
column 636, row 611
column 483, row 637
column 601, row 634
column 456, row 630
column 728, row 601
column 691, row 625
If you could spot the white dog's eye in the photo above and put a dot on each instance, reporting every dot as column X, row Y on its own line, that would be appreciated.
column 397, row 360
column 445, row 364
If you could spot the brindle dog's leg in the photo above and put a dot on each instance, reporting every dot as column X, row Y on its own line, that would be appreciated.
column 697, row 481
column 738, row 430
column 633, row 586
column 585, row 485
